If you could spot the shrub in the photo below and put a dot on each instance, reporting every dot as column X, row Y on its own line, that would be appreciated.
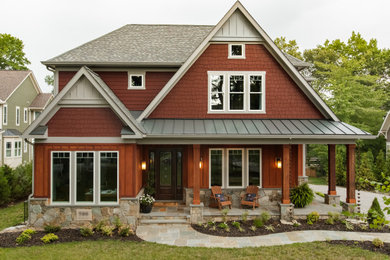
column 48, row 238
column 348, row 225
column 302, row 195
column 5, row 190
column 30, row 231
column 107, row 230
column 211, row 223
column 236, row 224
column 374, row 212
column 377, row 242
column 270, row 228
column 365, row 170
column 223, row 225
column 265, row 217
column 52, row 228
column 312, row 218
column 258, row 222
column 117, row 222
column 320, row 194
column 224, row 213
column 329, row 221
column 253, row 228
column 86, row 231
column 25, row 236
column 244, row 216
column 125, row 231
column 332, row 218
column 100, row 225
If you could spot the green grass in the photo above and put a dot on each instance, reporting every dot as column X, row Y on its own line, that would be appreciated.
column 318, row 180
column 145, row 250
column 11, row 215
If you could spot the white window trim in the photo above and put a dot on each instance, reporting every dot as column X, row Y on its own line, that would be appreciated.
column 93, row 182
column 5, row 114
column 25, row 115
column 117, row 180
column 16, row 150
column 130, row 74
column 226, row 103
column 54, row 203
column 260, row 165
column 242, row 93
column 242, row 168
column 230, row 56
column 223, row 166
column 17, row 113
column 5, row 149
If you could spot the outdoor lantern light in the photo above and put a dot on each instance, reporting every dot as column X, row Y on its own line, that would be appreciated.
column 278, row 162
column 200, row 163
column 143, row 165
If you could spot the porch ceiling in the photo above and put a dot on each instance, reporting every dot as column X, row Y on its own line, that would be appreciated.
column 252, row 128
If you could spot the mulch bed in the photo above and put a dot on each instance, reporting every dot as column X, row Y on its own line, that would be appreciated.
column 7, row 239
column 364, row 245
column 278, row 228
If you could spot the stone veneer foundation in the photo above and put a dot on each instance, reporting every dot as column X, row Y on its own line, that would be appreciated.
column 41, row 213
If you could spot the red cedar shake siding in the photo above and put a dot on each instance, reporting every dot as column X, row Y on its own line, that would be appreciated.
column 188, row 98
column 85, row 122
column 130, row 173
column 118, row 82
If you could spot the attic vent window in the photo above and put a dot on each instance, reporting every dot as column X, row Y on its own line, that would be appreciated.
column 236, row 51
column 136, row 81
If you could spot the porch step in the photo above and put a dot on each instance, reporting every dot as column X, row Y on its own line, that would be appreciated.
column 164, row 221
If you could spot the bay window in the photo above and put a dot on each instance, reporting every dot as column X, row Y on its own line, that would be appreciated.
column 236, row 91
column 234, row 167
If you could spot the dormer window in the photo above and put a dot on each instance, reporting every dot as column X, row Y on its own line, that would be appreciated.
column 136, row 81
column 236, row 51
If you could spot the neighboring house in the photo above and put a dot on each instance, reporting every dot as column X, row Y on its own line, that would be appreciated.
column 385, row 131
column 190, row 106
column 21, row 100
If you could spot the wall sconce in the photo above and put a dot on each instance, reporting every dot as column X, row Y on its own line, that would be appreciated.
column 278, row 162
column 201, row 163
column 143, row 165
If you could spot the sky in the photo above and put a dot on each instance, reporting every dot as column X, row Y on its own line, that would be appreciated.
column 49, row 28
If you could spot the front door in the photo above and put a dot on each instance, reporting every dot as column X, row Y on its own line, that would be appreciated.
column 168, row 173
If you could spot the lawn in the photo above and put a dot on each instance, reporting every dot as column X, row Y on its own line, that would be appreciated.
column 132, row 250
column 318, row 180
column 11, row 216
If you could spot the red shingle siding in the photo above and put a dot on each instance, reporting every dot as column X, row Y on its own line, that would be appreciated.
column 188, row 99
column 85, row 122
column 118, row 82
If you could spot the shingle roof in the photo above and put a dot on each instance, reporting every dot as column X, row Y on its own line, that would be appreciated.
column 143, row 43
column 257, row 128
column 41, row 100
column 12, row 132
column 9, row 80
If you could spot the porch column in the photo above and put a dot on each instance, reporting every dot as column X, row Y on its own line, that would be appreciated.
column 196, row 173
column 332, row 198
column 285, row 206
column 351, row 173
column 302, row 178
column 286, row 174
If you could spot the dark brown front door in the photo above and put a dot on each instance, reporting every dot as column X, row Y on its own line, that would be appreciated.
column 168, row 174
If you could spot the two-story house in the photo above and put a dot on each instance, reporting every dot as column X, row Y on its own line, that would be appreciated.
column 21, row 99
column 187, row 106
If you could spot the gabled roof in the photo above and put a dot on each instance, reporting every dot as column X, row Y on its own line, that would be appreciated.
column 10, row 80
column 40, row 101
column 269, row 44
column 117, row 106
column 385, row 126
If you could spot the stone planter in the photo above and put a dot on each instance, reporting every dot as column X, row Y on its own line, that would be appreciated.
column 146, row 208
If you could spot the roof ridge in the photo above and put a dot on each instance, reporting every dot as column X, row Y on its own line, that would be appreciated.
column 168, row 24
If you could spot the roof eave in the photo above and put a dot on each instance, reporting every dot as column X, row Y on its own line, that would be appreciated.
column 115, row 64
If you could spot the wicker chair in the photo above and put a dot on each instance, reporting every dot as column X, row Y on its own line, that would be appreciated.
column 215, row 199
column 249, row 200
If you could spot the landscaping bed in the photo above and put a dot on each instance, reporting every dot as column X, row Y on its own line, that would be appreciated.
column 8, row 239
column 368, row 245
column 207, row 228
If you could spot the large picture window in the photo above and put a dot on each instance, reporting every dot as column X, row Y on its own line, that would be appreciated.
column 60, row 177
column 108, row 176
column 216, row 167
column 235, row 169
column 254, row 160
column 245, row 91
column 85, row 177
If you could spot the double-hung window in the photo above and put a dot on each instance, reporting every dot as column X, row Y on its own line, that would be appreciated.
column 18, row 148
column 8, row 149
column 25, row 115
column 234, row 167
column 236, row 92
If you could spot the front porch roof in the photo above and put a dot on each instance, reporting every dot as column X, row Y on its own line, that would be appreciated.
column 253, row 128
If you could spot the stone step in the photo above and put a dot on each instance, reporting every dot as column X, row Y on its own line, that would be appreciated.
column 164, row 221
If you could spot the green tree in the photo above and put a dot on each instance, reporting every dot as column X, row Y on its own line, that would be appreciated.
column 49, row 79
column 12, row 56
column 364, row 171
column 379, row 166
column 341, row 169
column 291, row 47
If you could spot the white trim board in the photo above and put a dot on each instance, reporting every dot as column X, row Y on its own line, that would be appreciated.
column 270, row 45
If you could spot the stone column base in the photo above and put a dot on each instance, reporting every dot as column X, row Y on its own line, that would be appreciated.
column 332, row 199
column 302, row 179
column 350, row 207
column 286, row 211
column 196, row 213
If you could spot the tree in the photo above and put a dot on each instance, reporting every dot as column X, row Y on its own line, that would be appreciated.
column 364, row 171
column 12, row 56
column 49, row 79
column 291, row 47
column 379, row 166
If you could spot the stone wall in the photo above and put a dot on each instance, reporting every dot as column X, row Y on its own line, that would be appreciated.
column 41, row 213
column 268, row 197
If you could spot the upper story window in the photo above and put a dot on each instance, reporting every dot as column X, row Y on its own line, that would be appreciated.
column 136, row 81
column 25, row 115
column 5, row 114
column 236, row 51
column 236, row 92
column 17, row 112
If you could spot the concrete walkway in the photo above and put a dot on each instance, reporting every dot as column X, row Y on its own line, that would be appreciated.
column 184, row 235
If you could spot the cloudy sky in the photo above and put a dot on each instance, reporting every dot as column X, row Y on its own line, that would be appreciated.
column 49, row 28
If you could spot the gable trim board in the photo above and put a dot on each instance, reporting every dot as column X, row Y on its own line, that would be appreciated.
column 270, row 46
column 117, row 106
column 34, row 82
column 385, row 126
